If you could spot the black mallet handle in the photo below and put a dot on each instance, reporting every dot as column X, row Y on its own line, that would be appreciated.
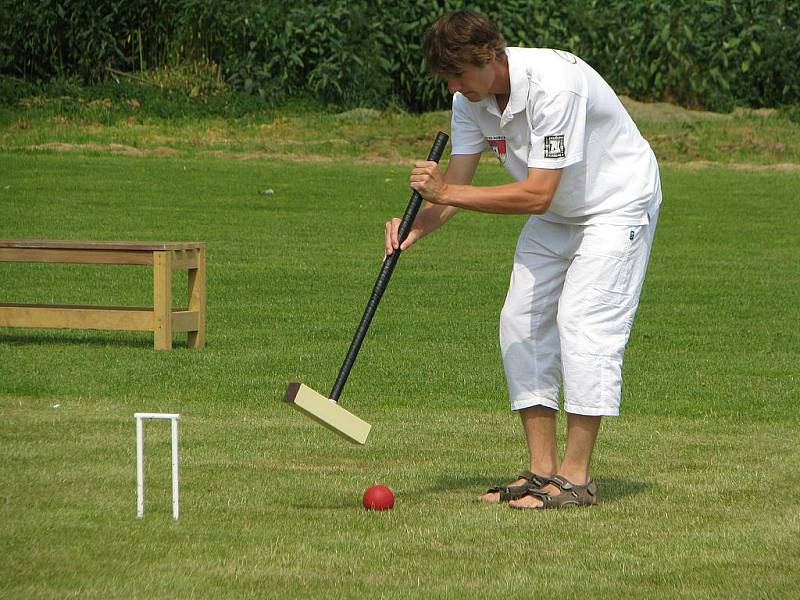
column 383, row 277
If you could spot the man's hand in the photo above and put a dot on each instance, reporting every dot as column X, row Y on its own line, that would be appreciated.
column 427, row 179
column 392, row 241
column 460, row 170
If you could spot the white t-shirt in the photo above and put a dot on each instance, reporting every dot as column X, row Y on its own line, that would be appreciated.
column 562, row 115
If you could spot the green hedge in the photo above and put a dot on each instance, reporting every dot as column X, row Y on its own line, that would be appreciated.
column 699, row 53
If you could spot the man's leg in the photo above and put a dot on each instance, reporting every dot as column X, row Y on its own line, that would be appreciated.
column 529, row 340
column 596, row 310
column 581, row 436
column 539, row 423
column 540, row 431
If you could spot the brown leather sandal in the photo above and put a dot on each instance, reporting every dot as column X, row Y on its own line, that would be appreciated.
column 514, row 492
column 570, row 495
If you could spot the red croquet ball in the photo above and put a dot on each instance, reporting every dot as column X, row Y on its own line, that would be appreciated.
column 378, row 497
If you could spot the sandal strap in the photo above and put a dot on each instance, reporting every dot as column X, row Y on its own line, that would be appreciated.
column 515, row 492
column 571, row 494
column 537, row 481
column 512, row 492
column 561, row 483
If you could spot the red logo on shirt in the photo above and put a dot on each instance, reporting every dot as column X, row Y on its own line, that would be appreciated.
column 498, row 145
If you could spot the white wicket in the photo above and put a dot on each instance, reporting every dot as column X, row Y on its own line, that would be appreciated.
column 140, row 417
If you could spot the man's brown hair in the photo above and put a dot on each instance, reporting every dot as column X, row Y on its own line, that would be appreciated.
column 459, row 39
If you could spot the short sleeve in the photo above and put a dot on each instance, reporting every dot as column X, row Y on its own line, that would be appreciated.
column 465, row 133
column 558, row 126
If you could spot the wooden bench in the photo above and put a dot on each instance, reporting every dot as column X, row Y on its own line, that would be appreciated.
column 161, row 318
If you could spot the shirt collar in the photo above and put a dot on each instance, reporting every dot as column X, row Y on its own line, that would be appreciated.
column 519, row 81
column 519, row 87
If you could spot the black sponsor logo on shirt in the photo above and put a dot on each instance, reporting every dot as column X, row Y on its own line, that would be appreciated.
column 554, row 146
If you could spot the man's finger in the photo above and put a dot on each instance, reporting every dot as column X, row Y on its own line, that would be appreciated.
column 387, row 242
column 395, row 230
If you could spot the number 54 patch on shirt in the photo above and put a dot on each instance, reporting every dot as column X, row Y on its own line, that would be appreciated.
column 554, row 146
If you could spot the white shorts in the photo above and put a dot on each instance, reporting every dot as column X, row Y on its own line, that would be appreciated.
column 569, row 310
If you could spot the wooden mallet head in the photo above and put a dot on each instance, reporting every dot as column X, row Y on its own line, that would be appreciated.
column 327, row 412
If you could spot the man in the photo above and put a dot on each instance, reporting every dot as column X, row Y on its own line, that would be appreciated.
column 591, row 183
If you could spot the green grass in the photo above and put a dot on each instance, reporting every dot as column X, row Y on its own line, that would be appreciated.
column 698, row 479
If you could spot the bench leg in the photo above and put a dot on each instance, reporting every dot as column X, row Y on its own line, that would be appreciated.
column 197, row 300
column 162, row 300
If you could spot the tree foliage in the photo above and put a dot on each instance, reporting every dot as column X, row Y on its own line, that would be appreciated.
column 698, row 53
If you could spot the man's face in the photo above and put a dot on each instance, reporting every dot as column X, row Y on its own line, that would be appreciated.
column 474, row 82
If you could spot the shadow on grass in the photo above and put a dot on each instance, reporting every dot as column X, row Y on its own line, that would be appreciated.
column 610, row 489
column 44, row 339
column 331, row 504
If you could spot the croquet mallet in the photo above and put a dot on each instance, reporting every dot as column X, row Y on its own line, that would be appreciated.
column 327, row 410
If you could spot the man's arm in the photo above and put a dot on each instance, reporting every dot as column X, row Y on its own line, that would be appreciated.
column 460, row 171
column 530, row 196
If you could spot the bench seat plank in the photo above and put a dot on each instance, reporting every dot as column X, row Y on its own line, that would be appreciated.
column 80, row 257
column 99, row 245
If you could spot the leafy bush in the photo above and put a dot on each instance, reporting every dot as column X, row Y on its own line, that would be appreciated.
column 699, row 53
